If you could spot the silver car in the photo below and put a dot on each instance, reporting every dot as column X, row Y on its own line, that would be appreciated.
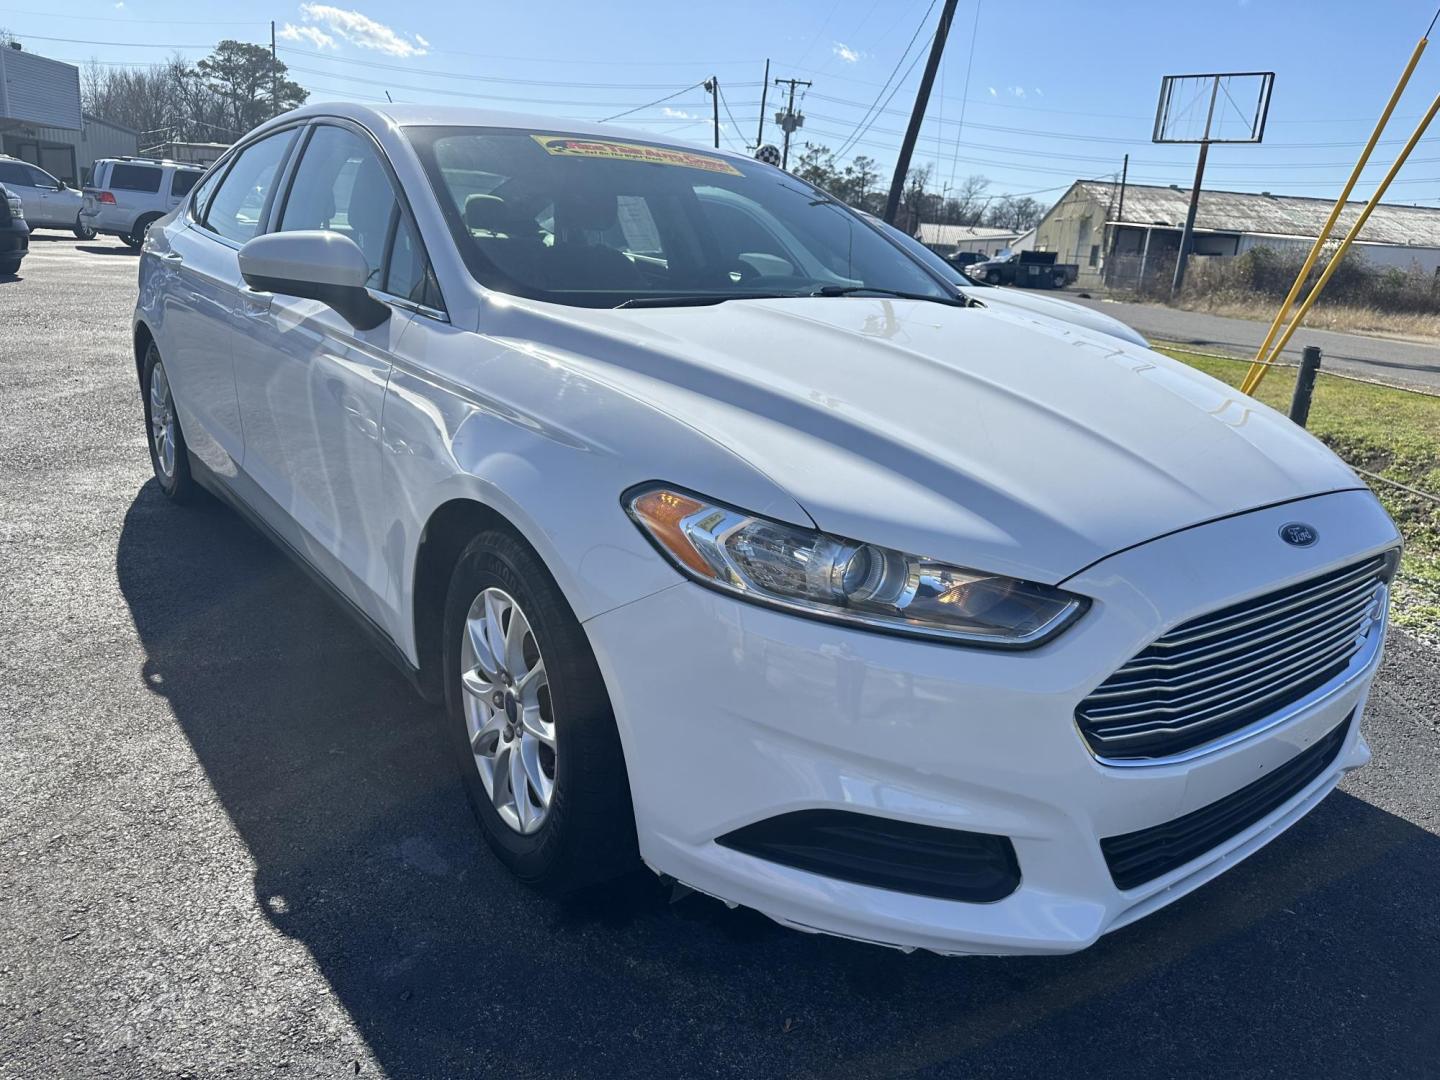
column 48, row 203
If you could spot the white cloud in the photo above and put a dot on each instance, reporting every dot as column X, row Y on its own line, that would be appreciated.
column 1017, row 91
column 846, row 53
column 677, row 114
column 1039, row 92
column 364, row 31
column 313, row 34
column 994, row 92
column 119, row 5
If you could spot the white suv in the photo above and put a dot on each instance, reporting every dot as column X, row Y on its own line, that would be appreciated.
column 48, row 203
column 126, row 195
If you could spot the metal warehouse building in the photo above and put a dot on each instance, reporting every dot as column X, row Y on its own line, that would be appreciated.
column 1125, row 239
column 41, row 121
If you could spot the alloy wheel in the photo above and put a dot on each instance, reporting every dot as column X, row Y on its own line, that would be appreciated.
column 506, row 697
column 162, row 422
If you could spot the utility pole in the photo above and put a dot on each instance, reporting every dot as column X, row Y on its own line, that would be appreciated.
column 764, row 86
column 274, row 73
column 922, row 99
column 1124, row 177
column 1187, row 235
column 789, row 120
column 712, row 87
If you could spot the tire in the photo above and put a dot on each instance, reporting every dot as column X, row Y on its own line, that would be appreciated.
column 9, row 267
column 83, row 232
column 169, row 456
column 585, row 834
column 136, row 236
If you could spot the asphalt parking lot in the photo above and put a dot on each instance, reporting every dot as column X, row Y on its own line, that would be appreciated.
column 230, row 844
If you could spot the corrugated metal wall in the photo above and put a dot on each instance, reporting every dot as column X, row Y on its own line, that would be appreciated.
column 38, row 90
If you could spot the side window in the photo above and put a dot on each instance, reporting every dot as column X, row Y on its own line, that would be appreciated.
column 239, row 202
column 41, row 179
column 12, row 172
column 341, row 186
column 143, row 178
column 204, row 191
column 181, row 181
column 409, row 275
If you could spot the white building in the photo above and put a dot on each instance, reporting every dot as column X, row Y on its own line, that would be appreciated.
column 41, row 121
column 987, row 240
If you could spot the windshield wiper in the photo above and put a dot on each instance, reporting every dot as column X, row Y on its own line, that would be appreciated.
column 849, row 290
column 697, row 299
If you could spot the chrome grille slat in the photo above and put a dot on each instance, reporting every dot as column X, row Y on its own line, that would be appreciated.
column 1266, row 611
column 1234, row 667
column 1301, row 675
column 1360, row 596
column 1352, row 623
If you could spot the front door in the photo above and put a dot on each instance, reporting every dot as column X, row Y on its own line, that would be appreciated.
column 311, row 386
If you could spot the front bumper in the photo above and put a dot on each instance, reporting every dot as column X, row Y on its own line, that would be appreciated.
column 14, row 238
column 733, row 714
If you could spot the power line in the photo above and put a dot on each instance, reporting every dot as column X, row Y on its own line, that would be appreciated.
column 651, row 105
column 910, row 45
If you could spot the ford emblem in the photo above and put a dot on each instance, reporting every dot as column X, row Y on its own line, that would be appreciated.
column 1298, row 534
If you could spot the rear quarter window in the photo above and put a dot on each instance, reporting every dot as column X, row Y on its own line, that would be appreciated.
column 182, row 181
column 142, row 178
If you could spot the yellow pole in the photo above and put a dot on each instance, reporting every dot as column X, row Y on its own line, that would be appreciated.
column 1252, row 376
column 1334, row 263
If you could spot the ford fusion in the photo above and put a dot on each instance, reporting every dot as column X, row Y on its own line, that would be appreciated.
column 735, row 542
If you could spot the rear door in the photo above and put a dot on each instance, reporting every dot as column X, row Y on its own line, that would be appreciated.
column 19, row 179
column 179, row 185
column 203, row 296
column 311, row 386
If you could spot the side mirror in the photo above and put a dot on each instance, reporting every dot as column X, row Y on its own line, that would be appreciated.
column 316, row 265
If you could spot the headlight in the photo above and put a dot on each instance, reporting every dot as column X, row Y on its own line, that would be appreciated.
column 827, row 577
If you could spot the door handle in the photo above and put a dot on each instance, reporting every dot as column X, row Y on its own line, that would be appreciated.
column 173, row 257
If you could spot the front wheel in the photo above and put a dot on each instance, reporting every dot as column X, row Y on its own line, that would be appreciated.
column 168, row 455
column 530, row 722
column 83, row 231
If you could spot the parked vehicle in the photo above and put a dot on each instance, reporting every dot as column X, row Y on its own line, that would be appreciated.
column 962, row 259
column 48, row 203
column 733, row 541
column 1010, row 299
column 127, row 195
column 1027, row 269
column 14, row 233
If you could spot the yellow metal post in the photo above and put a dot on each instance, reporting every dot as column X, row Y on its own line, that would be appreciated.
column 1334, row 263
column 1253, row 375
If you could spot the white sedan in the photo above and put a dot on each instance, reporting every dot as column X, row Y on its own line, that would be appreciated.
column 733, row 541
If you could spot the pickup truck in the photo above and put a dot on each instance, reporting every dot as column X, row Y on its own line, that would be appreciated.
column 1027, row 269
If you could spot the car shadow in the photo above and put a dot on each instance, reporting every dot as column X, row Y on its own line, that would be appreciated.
column 1315, row 957
column 117, row 249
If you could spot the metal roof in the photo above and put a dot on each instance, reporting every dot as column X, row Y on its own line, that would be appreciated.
column 1265, row 215
column 963, row 234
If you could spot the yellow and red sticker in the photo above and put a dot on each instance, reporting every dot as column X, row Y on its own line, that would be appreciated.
column 570, row 146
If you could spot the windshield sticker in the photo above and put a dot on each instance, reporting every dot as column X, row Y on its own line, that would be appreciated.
column 568, row 146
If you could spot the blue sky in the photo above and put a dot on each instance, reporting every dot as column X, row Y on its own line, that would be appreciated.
column 1052, row 89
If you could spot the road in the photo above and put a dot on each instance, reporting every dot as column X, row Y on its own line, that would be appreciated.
column 1387, row 359
column 231, row 843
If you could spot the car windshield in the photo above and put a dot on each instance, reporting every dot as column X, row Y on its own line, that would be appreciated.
column 601, row 222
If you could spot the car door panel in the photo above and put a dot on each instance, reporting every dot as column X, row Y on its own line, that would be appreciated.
column 198, row 345
column 311, row 390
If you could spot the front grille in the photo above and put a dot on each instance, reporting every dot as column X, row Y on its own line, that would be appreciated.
column 1137, row 857
column 1224, row 671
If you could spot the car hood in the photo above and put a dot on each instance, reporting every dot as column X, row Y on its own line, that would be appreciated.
column 1053, row 308
column 986, row 438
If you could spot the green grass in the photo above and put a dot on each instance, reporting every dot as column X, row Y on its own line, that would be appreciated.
column 1394, row 433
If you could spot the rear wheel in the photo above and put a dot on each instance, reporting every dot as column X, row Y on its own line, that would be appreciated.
column 136, row 236
column 168, row 454
column 83, row 232
column 530, row 723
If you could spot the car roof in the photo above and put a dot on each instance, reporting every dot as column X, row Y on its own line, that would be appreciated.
column 402, row 115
